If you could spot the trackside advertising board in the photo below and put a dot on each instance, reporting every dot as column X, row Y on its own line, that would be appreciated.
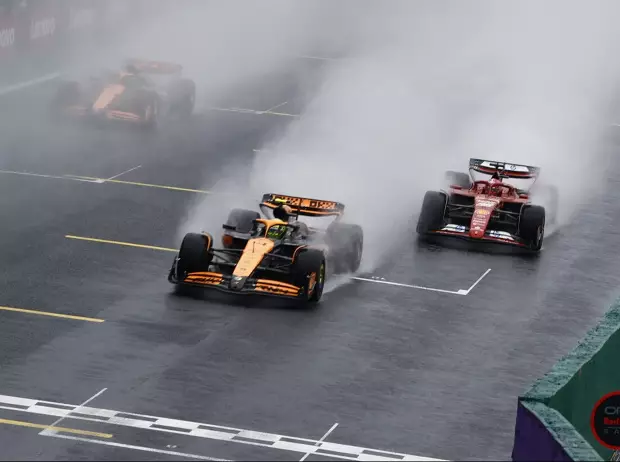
column 45, row 25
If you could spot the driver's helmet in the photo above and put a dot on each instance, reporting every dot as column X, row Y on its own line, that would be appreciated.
column 283, row 211
column 496, row 187
column 276, row 232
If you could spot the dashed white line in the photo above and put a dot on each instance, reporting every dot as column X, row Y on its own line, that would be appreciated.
column 28, row 83
column 122, row 173
column 319, row 441
column 48, row 432
column 138, row 448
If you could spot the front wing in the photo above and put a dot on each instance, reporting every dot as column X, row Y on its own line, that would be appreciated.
column 222, row 282
column 499, row 237
column 111, row 115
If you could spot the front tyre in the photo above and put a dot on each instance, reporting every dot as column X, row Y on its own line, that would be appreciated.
column 432, row 214
column 195, row 254
column 532, row 226
column 308, row 272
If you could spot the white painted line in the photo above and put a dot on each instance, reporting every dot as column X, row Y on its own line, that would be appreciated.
column 272, row 108
column 122, row 173
column 65, row 177
column 78, row 177
column 18, row 401
column 319, row 58
column 28, row 83
column 249, row 111
column 410, row 286
column 477, row 281
column 322, row 439
column 138, row 448
column 201, row 430
column 430, row 289
column 55, row 424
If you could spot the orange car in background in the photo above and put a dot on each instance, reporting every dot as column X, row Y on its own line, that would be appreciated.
column 144, row 93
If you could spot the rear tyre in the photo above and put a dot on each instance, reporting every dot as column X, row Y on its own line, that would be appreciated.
column 308, row 271
column 458, row 179
column 532, row 226
column 147, row 106
column 432, row 214
column 346, row 241
column 185, row 95
column 242, row 220
column 195, row 254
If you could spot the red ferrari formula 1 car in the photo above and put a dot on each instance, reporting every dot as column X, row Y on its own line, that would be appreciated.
column 487, row 210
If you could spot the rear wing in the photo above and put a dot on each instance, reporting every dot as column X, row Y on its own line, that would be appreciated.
column 504, row 169
column 155, row 67
column 303, row 206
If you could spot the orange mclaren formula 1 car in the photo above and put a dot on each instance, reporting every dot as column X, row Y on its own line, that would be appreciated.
column 278, row 254
column 488, row 210
column 144, row 93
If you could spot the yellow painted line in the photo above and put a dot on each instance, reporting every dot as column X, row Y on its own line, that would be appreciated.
column 148, row 185
column 53, row 315
column 127, row 244
column 20, row 423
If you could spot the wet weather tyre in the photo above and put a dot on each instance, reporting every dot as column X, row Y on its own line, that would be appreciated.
column 187, row 98
column 147, row 105
column 242, row 220
column 458, row 179
column 195, row 254
column 346, row 241
column 432, row 214
column 532, row 226
column 310, row 263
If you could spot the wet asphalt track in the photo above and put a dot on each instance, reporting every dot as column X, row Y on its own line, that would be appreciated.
column 397, row 368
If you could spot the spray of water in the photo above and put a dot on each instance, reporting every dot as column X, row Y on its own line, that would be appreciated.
column 425, row 86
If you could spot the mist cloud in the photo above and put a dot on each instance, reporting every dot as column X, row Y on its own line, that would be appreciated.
column 426, row 86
